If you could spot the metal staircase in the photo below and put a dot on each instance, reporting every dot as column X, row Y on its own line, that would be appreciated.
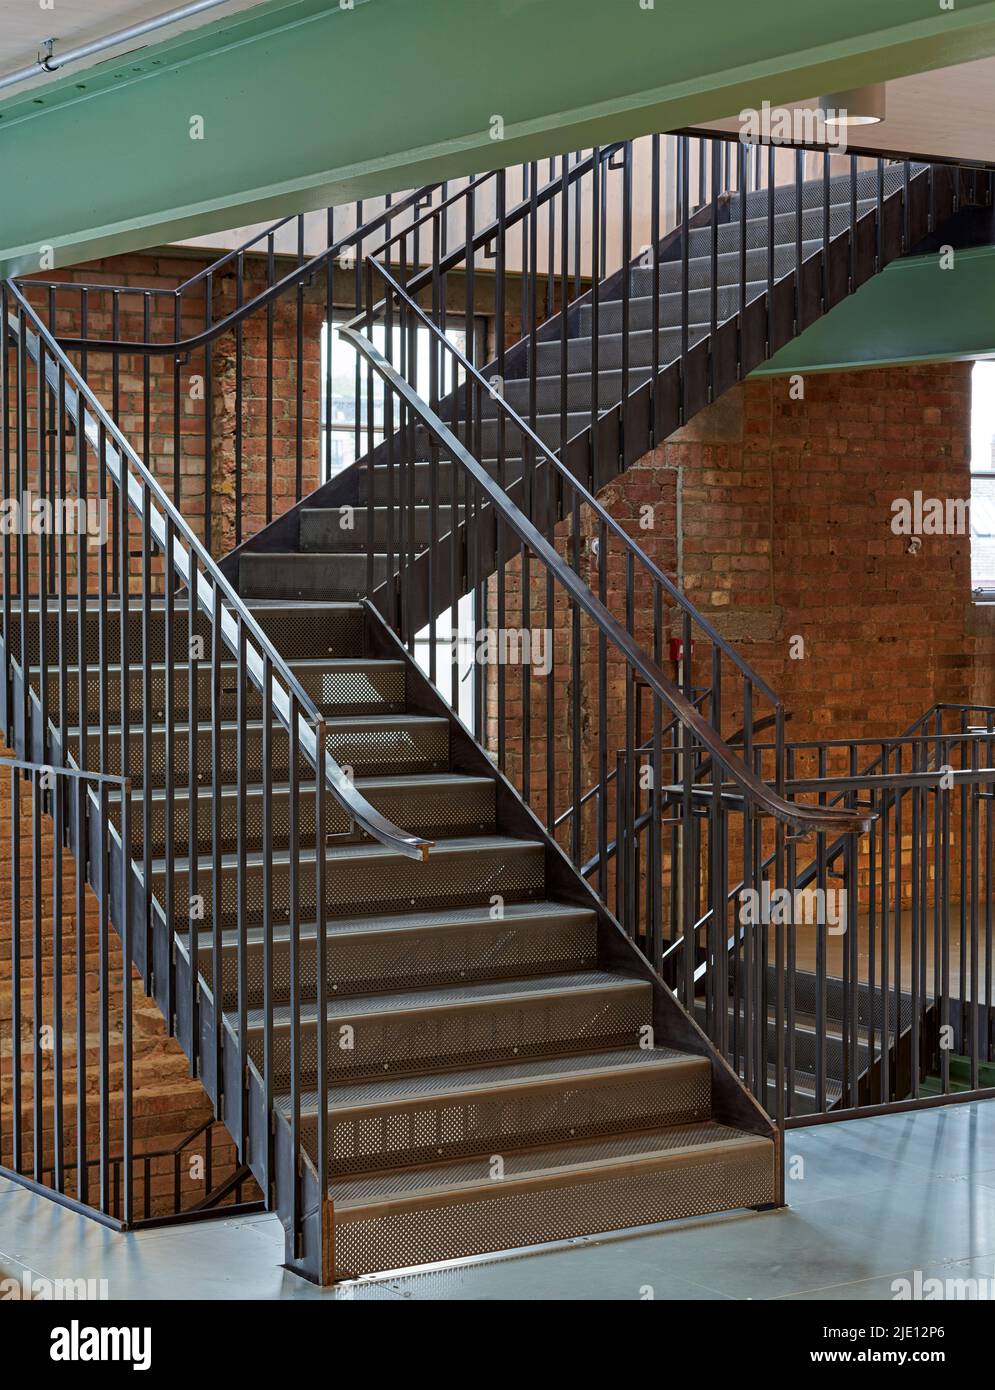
column 365, row 921
column 619, row 368
column 492, row 1077
column 424, row 1047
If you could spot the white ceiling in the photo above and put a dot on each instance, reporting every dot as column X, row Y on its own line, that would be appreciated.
column 24, row 25
column 949, row 112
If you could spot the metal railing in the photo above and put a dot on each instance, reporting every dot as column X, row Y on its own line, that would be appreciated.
column 521, row 583
column 161, row 358
column 523, row 538
column 125, row 651
column 53, row 1131
column 219, row 384
column 885, row 1003
column 68, row 1061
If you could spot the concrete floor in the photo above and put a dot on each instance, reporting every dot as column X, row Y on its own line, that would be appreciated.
column 874, row 1200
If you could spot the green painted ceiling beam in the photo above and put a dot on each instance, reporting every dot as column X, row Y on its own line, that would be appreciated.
column 309, row 102
column 914, row 311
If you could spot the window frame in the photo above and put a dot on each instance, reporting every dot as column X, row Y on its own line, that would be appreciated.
column 981, row 594
column 358, row 432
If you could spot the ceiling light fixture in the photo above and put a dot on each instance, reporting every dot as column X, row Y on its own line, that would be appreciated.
column 857, row 106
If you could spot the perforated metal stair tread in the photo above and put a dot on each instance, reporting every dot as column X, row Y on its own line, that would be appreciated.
column 360, row 850
column 515, row 914
column 181, row 608
column 673, row 1145
column 230, row 666
column 805, row 1025
column 343, row 723
column 467, row 996
column 316, row 605
column 425, row 780
column 396, row 1091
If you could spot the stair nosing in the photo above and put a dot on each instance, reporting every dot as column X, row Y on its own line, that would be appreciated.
column 536, row 989
column 737, row 1140
column 400, row 923
column 453, row 844
column 371, row 783
column 659, row 1060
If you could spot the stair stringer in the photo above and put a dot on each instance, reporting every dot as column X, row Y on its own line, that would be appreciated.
column 343, row 489
column 655, row 410
column 733, row 1104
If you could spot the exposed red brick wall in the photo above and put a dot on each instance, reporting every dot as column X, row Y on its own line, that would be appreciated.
column 786, row 532
column 783, row 526
column 121, row 383
column 774, row 515
column 263, row 408
column 206, row 380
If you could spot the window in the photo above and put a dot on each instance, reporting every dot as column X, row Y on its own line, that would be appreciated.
column 983, row 480
column 466, row 673
column 343, row 387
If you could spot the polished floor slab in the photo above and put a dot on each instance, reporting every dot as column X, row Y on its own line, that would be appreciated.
column 871, row 1203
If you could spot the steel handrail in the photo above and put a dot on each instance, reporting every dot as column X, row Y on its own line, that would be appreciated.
column 91, row 417
column 413, row 198
column 512, row 217
column 543, row 450
column 803, row 877
column 179, row 346
column 799, row 817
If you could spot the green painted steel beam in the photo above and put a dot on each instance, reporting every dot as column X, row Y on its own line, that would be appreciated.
column 309, row 102
column 914, row 311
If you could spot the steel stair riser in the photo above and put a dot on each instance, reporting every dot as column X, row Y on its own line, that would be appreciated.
column 610, row 348
column 483, row 434
column 440, row 811
column 252, row 763
column 785, row 224
column 578, row 393
column 501, row 1215
column 419, row 480
column 671, row 308
column 359, row 963
column 532, row 1025
column 457, row 1125
column 389, row 745
column 814, row 192
column 357, row 885
column 299, row 634
column 700, row 274
column 323, row 531
column 611, row 316
column 356, row 688
column 299, row 575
